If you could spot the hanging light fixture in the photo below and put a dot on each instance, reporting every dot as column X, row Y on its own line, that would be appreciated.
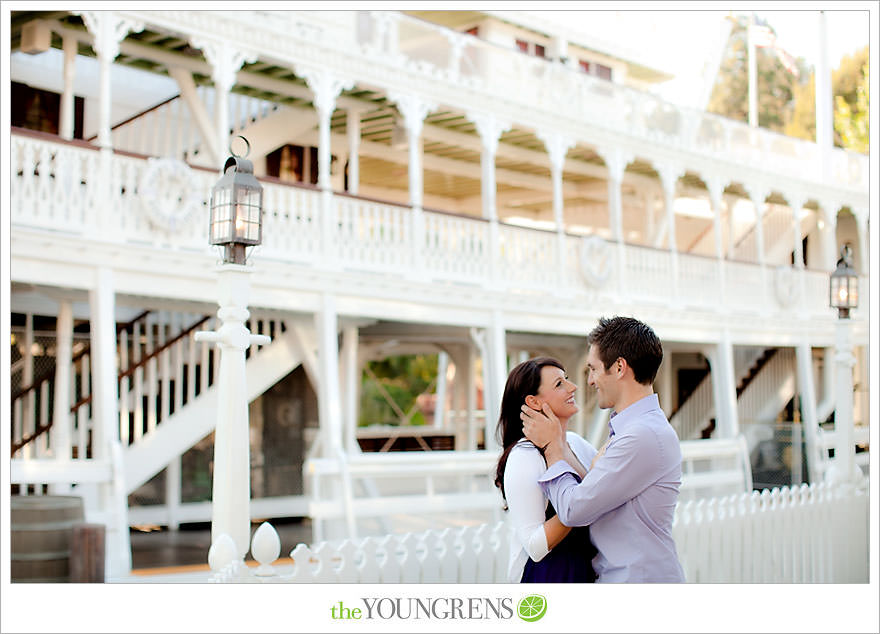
column 843, row 288
column 237, row 209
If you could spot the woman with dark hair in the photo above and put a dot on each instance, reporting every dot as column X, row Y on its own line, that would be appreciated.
column 542, row 548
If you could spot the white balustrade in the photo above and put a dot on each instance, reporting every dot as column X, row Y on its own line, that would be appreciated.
column 531, row 254
column 456, row 248
column 698, row 281
column 291, row 223
column 373, row 236
column 437, row 51
column 785, row 535
column 368, row 235
column 649, row 274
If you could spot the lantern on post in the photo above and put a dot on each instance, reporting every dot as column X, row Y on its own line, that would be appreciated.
column 236, row 223
column 237, row 209
column 843, row 288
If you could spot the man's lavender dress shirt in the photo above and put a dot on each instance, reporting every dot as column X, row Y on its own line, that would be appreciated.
column 628, row 498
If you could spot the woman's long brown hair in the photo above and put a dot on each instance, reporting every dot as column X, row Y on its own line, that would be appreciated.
column 523, row 380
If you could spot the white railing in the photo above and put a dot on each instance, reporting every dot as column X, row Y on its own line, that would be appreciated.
column 771, row 388
column 171, row 130
column 470, row 554
column 693, row 416
column 60, row 187
column 713, row 467
column 827, row 440
column 161, row 370
column 806, row 534
column 440, row 52
column 398, row 482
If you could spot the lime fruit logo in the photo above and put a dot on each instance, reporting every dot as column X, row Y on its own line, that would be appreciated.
column 532, row 608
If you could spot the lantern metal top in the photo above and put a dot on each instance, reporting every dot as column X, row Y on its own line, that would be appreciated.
column 844, row 284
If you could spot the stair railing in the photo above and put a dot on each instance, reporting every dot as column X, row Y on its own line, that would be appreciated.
column 42, row 421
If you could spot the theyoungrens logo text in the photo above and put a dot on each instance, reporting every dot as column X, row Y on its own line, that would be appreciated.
column 434, row 608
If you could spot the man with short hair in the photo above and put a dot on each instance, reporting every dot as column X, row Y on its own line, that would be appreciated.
column 628, row 494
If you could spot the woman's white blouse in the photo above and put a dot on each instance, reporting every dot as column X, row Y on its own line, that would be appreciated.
column 526, row 502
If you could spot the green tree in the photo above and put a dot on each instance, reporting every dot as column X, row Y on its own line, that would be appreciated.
column 776, row 85
column 845, row 80
column 851, row 121
column 402, row 378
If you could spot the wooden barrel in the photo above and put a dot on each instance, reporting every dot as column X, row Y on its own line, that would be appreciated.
column 41, row 529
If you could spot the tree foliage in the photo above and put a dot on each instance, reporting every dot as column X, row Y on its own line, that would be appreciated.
column 403, row 378
column 851, row 121
column 787, row 104
column 730, row 95
column 845, row 81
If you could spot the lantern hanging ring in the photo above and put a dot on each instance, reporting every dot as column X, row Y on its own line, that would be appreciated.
column 247, row 149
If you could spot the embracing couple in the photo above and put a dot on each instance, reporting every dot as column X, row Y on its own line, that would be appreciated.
column 578, row 514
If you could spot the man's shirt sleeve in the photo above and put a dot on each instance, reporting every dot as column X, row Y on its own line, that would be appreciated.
column 631, row 463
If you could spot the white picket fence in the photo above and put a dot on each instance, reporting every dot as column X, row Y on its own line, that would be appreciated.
column 807, row 534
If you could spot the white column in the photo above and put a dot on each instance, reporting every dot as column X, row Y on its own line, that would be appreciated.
column 828, row 235
column 414, row 111
column 60, row 433
column 557, row 146
column 66, row 122
column 173, row 493
column 440, row 401
column 105, row 422
column 105, row 396
column 731, row 225
column 496, row 353
column 796, row 204
column 326, row 88
column 330, row 415
column 225, row 63
column 616, row 161
column 669, row 175
column 824, row 103
column 108, row 30
column 844, row 469
column 230, row 499
column 664, row 382
column 724, row 389
column 329, row 397
column 350, row 373
column 470, row 385
column 807, row 390
column 353, row 128
column 715, row 184
column 490, row 130
column 758, row 196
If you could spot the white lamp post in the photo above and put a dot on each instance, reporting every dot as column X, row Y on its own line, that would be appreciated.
column 236, row 223
column 844, row 296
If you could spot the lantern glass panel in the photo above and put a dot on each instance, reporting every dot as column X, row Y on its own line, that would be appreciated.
column 853, row 291
column 221, row 216
column 247, row 214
